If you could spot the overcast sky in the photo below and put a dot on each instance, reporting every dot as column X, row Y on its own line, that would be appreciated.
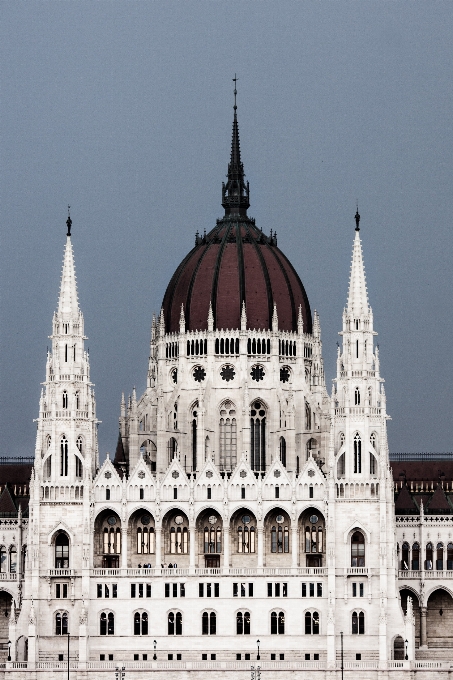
column 123, row 110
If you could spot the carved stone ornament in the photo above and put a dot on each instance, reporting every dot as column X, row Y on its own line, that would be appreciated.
column 243, row 473
column 141, row 474
column 175, row 474
column 277, row 473
column 209, row 474
column 311, row 473
column 108, row 474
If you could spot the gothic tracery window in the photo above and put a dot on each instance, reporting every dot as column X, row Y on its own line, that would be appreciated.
column 258, row 436
column 358, row 623
column 357, row 453
column 357, row 549
column 63, row 456
column 357, row 396
column 228, row 436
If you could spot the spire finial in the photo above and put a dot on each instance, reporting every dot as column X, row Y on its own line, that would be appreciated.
column 235, row 79
column 357, row 218
column 69, row 222
column 235, row 193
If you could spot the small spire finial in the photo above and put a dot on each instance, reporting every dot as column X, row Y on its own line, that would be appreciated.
column 357, row 218
column 69, row 222
column 235, row 79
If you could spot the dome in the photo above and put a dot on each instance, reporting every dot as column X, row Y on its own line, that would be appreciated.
column 235, row 263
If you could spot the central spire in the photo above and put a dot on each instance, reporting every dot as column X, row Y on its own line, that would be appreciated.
column 235, row 193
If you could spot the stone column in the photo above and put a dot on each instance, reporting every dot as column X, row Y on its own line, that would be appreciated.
column 226, row 548
column 124, row 547
column 294, row 545
column 260, row 531
column 423, row 611
column 192, row 543
column 158, row 530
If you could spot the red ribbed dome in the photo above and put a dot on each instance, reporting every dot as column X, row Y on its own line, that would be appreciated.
column 236, row 262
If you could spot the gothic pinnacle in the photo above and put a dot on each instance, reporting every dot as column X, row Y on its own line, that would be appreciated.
column 235, row 193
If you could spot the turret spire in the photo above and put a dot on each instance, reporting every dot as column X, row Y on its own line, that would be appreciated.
column 68, row 304
column 235, row 193
column 357, row 295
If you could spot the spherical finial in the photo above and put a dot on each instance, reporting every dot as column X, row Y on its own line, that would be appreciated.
column 69, row 222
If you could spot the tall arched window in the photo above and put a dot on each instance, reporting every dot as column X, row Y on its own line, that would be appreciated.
column 194, row 426
column 357, row 396
column 243, row 623
column 341, row 466
column 140, row 623
column 405, row 556
column 175, row 623
column 112, row 541
column 357, row 453
column 209, row 623
column 283, row 451
column 358, row 623
column 258, row 436
column 357, row 549
column 277, row 623
column 450, row 556
column 13, row 560
column 246, row 539
column 107, row 623
column 63, row 456
column 179, row 541
column 429, row 556
column 373, row 464
column 145, row 540
column 77, row 396
column 62, row 551
column 61, row 623
column 212, row 539
column 3, row 560
column 228, row 436
column 415, row 556
column 439, row 556
column 65, row 399
column 311, row 623
column 172, row 449
column 279, row 538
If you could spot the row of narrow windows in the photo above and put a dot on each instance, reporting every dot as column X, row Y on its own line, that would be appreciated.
column 209, row 623
column 65, row 400
column 434, row 556
column 230, row 346
column 67, row 351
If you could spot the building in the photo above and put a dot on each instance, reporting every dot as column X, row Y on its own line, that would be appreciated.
column 248, row 516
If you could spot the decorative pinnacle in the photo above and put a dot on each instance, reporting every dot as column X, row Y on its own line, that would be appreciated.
column 357, row 218
column 235, row 79
column 69, row 222
column 236, row 192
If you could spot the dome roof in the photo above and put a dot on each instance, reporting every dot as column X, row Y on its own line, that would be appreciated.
column 232, row 264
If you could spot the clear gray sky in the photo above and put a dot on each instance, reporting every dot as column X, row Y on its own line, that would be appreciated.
column 123, row 110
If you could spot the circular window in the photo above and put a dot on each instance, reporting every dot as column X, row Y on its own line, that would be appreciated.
column 174, row 375
column 108, row 474
column 311, row 473
column 141, row 474
column 209, row 474
column 257, row 373
column 179, row 519
column 243, row 473
column 146, row 519
column 277, row 473
column 246, row 519
column 227, row 373
column 314, row 519
column 279, row 519
column 212, row 519
column 111, row 520
column 175, row 474
column 199, row 374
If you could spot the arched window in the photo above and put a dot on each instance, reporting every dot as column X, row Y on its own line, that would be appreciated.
column 358, row 623
column 277, row 623
column 279, row 538
column 62, row 551
column 77, row 394
column 212, row 540
column 258, row 436
column 243, row 623
column 357, row 549
column 342, row 439
column 311, row 623
column 416, row 557
column 194, row 427
column 307, row 416
column 373, row 465
column 450, row 556
column 405, row 556
column 3, row 560
column 13, row 560
column 175, row 623
column 209, row 623
column 246, row 539
column 373, row 440
column 341, row 466
column 137, row 618
column 357, row 396
column 65, row 399
column 172, row 449
column 79, row 443
column 140, row 623
column 107, row 623
column 112, row 541
column 228, row 436
column 179, row 541
column 61, row 623
column 439, row 556
column 429, row 556
column 357, row 453
column 283, row 451
column 63, row 456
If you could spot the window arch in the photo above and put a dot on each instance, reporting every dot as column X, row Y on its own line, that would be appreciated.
column 440, row 556
column 62, row 551
column 373, row 440
column 277, row 623
column 415, row 556
column 283, row 451
column 312, row 446
column 450, row 556
column 258, row 436
column 174, row 623
column 314, row 537
column 65, row 399
column 358, row 623
column 246, row 539
column 357, row 396
column 13, row 559
column 312, row 623
column 341, row 465
column 194, row 436
column 212, row 539
column 429, row 556
column 357, row 453
column 228, row 436
column 61, row 623
column 107, row 623
column 77, row 394
column 79, row 443
column 63, row 456
column 357, row 549
column 140, row 623
column 209, row 623
column 179, row 540
column 243, row 623
column 3, row 560
column 405, row 555
column 172, row 449
column 373, row 464
column 145, row 540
